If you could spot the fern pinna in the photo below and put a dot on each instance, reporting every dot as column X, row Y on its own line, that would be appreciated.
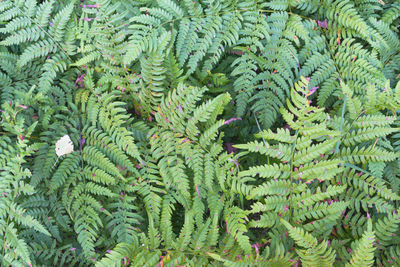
column 204, row 133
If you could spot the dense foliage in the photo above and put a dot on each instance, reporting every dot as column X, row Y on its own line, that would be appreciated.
column 204, row 133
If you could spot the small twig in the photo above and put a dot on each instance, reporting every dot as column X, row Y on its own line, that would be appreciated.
column 298, row 63
column 259, row 128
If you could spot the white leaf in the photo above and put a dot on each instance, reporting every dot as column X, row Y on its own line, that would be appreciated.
column 64, row 146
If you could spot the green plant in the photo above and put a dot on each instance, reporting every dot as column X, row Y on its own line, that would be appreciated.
column 204, row 133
